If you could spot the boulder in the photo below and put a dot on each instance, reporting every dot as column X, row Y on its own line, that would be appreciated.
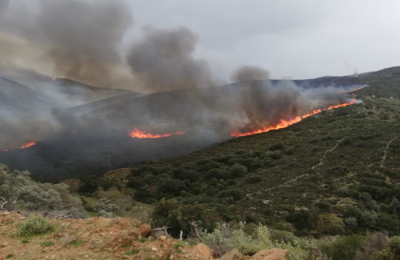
column 272, row 254
column 202, row 250
column 234, row 254
column 144, row 230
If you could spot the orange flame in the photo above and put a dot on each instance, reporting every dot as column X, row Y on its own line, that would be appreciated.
column 355, row 89
column 140, row 134
column 53, row 79
column 21, row 147
column 285, row 123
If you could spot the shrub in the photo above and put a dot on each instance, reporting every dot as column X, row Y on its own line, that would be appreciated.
column 278, row 146
column 236, row 193
column 104, row 208
column 178, row 217
column 389, row 223
column 329, row 224
column 253, row 179
column 341, row 248
column 302, row 219
column 47, row 244
column 368, row 219
column 34, row 225
column 237, row 170
column 225, row 238
column 372, row 247
column 19, row 187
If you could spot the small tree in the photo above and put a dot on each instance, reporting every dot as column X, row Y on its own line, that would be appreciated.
column 329, row 223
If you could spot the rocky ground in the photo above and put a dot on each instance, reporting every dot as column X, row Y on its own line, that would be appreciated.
column 102, row 238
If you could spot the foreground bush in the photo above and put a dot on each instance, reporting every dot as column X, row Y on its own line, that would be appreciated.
column 34, row 225
column 23, row 193
column 224, row 238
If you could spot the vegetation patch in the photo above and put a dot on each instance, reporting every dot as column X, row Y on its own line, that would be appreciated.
column 34, row 225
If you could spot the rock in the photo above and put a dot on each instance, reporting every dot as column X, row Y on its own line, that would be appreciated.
column 143, row 230
column 6, row 213
column 162, row 238
column 203, row 251
column 3, row 244
column 272, row 254
column 234, row 254
column 154, row 249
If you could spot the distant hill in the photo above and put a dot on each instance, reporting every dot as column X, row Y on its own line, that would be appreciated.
column 96, row 134
column 16, row 96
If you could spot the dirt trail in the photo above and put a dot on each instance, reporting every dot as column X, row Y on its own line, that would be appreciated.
column 386, row 149
column 321, row 161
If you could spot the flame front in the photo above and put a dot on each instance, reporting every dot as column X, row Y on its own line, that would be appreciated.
column 140, row 134
column 53, row 79
column 21, row 147
column 285, row 123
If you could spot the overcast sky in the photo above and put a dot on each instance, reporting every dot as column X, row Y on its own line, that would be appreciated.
column 291, row 38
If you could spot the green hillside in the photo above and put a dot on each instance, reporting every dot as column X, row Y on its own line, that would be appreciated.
column 334, row 173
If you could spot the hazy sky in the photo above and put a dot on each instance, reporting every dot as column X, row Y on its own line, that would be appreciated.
column 291, row 38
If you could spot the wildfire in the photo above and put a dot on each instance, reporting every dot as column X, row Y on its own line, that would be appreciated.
column 285, row 123
column 355, row 89
column 53, row 79
column 21, row 147
column 140, row 134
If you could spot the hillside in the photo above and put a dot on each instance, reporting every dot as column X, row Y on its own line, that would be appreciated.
column 343, row 162
column 94, row 137
column 19, row 97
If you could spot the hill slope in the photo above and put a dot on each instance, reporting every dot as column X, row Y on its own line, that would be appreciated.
column 344, row 162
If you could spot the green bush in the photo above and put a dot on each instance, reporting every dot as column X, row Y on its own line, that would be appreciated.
column 237, row 170
column 224, row 238
column 253, row 179
column 329, row 224
column 341, row 248
column 34, row 225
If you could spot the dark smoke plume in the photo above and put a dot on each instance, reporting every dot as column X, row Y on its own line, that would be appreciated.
column 81, row 39
column 164, row 60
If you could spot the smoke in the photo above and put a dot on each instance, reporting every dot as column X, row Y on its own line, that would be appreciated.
column 250, row 73
column 78, row 39
column 3, row 5
column 85, row 40
column 163, row 60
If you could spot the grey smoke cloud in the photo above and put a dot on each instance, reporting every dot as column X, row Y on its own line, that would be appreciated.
column 250, row 73
column 81, row 40
column 163, row 60
column 3, row 5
